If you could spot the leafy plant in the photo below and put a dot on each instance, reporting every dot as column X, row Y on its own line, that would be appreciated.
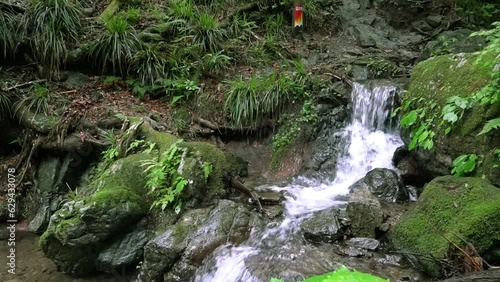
column 454, row 110
column 241, row 27
column 275, row 26
column 341, row 274
column 206, row 32
column 464, row 164
column 149, row 65
column 215, row 62
column 142, row 145
column 164, row 181
column 179, row 88
column 110, row 139
column 422, row 134
column 5, row 105
column 117, row 45
column 50, row 25
column 40, row 100
column 380, row 67
column 8, row 37
column 182, row 9
column 258, row 98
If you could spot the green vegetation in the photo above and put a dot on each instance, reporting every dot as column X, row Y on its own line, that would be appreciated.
column 149, row 65
column 5, row 105
column 116, row 46
column 40, row 101
column 254, row 100
column 462, row 104
column 464, row 206
column 8, row 37
column 478, row 12
column 50, row 26
column 206, row 32
column 342, row 274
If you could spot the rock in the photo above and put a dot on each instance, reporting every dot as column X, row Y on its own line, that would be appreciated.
column 76, row 80
column 411, row 173
column 328, row 143
column 490, row 275
column 421, row 26
column 384, row 184
column 161, row 253
column 454, row 42
column 124, row 252
column 364, row 213
column 48, row 172
column 434, row 20
column 363, row 243
column 439, row 78
column 323, row 227
column 76, row 231
column 468, row 206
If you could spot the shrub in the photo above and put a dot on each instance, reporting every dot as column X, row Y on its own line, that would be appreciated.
column 50, row 25
column 7, row 33
column 116, row 45
column 206, row 32
column 182, row 9
column 149, row 65
column 39, row 101
column 252, row 101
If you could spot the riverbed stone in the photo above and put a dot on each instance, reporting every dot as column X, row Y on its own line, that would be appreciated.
column 466, row 206
column 323, row 227
column 363, row 243
column 384, row 183
column 365, row 213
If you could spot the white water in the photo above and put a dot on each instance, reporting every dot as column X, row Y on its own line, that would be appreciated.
column 372, row 142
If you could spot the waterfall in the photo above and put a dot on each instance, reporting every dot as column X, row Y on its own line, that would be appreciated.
column 372, row 140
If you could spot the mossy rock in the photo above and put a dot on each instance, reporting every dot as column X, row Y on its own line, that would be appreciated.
column 77, row 230
column 468, row 207
column 434, row 81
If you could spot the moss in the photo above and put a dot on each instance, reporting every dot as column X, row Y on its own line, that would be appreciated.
column 439, row 78
column 469, row 207
column 211, row 154
column 161, row 139
column 42, row 241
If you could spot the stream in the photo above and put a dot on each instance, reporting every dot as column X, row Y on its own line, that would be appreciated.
column 278, row 250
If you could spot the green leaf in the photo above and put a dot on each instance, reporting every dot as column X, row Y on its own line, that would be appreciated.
column 490, row 125
column 447, row 130
column 450, row 117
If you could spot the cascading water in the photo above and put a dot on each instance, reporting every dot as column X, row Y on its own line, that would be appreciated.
column 371, row 139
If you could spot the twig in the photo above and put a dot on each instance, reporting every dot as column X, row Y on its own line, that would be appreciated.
column 24, row 84
column 67, row 92
column 463, row 240
column 455, row 245
column 247, row 191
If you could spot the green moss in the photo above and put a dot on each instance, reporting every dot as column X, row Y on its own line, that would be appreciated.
column 211, row 154
column 161, row 139
column 469, row 207
column 42, row 241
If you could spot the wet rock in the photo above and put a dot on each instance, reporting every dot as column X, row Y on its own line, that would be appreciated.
column 161, row 253
column 395, row 260
column 466, row 206
column 434, row 20
column 364, row 213
column 124, row 252
column 323, row 227
column 421, row 26
column 384, row 184
column 352, row 252
column 48, row 178
column 328, row 142
column 363, row 243
column 77, row 231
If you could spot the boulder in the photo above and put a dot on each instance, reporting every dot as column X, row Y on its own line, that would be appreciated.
column 363, row 243
column 452, row 41
column 323, row 227
column 384, row 183
column 124, row 252
column 364, row 213
column 438, row 79
column 468, row 207
column 79, row 229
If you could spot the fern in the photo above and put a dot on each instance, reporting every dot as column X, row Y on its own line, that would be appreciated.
column 490, row 125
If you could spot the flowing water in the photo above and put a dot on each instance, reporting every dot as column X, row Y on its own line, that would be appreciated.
column 278, row 250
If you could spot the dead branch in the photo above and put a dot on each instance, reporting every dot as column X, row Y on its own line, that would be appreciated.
column 223, row 130
column 470, row 259
column 247, row 191
column 24, row 84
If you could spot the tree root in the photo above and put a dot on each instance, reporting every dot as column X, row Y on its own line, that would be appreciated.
column 247, row 191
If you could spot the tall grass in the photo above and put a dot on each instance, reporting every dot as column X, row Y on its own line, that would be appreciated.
column 5, row 105
column 50, row 26
column 7, row 33
column 251, row 101
column 207, row 33
column 116, row 46
column 39, row 101
column 149, row 65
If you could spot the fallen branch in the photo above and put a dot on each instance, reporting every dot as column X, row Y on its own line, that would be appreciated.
column 484, row 261
column 247, row 191
column 224, row 130
column 24, row 84
column 471, row 260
